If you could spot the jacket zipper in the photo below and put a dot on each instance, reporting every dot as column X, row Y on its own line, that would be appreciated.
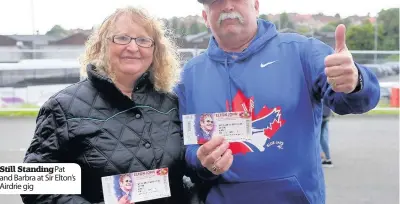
column 229, row 84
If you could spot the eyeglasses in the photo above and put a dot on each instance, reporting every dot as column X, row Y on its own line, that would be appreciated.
column 140, row 41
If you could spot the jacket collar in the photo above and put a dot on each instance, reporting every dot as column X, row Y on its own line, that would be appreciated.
column 105, row 84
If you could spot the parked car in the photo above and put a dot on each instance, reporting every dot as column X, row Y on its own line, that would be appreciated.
column 378, row 70
column 385, row 93
column 394, row 66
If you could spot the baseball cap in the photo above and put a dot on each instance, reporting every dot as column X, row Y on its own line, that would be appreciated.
column 205, row 1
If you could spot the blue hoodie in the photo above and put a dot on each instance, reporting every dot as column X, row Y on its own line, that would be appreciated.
column 280, row 80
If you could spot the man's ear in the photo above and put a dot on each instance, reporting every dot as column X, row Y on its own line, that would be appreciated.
column 257, row 7
column 205, row 17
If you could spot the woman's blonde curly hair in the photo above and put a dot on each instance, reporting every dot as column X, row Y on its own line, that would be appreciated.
column 165, row 69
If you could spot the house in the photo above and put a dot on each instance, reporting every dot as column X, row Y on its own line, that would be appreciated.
column 326, row 37
column 70, row 47
column 13, row 48
column 196, row 41
column 9, row 49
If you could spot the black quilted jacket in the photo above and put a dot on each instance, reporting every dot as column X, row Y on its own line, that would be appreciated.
column 93, row 124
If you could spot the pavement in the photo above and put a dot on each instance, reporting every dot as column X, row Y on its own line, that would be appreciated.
column 364, row 149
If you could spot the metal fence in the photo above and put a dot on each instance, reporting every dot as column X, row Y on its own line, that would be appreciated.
column 74, row 52
column 31, row 97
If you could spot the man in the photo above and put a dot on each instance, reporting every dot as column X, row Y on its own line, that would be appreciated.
column 280, row 79
column 326, row 162
column 124, row 192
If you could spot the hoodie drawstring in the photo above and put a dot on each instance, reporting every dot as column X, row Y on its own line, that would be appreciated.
column 229, row 85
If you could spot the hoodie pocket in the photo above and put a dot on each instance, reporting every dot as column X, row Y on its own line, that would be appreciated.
column 277, row 191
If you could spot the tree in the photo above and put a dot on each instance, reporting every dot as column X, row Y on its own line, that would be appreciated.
column 166, row 23
column 194, row 28
column 328, row 28
column 346, row 22
column 174, row 25
column 203, row 27
column 263, row 16
column 182, row 30
column 285, row 22
column 389, row 20
column 303, row 29
column 362, row 37
column 57, row 31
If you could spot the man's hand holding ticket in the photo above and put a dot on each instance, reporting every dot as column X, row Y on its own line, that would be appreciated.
column 215, row 131
column 200, row 128
column 215, row 155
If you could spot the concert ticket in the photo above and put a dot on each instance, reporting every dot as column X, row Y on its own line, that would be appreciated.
column 136, row 187
column 199, row 128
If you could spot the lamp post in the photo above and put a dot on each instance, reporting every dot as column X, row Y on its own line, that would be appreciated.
column 376, row 40
column 33, row 17
column 33, row 28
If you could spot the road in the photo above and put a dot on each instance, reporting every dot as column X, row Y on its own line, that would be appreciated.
column 364, row 149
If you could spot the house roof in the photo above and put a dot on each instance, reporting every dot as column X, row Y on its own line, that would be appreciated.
column 33, row 39
column 74, row 39
column 193, row 37
column 7, row 41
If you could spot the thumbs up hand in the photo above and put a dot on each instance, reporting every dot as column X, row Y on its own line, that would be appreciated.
column 341, row 72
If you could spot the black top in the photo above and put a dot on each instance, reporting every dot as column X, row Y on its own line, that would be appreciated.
column 93, row 124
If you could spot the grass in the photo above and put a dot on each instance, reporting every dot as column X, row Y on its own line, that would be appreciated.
column 13, row 113
column 383, row 112
column 18, row 113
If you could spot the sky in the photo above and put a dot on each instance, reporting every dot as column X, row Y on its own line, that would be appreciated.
column 20, row 17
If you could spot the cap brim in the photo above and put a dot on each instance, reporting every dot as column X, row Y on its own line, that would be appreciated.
column 205, row 1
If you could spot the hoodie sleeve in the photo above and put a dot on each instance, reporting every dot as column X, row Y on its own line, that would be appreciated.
column 195, row 170
column 362, row 100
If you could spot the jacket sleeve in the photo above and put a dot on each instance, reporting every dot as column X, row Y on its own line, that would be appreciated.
column 50, row 145
column 195, row 170
column 360, row 101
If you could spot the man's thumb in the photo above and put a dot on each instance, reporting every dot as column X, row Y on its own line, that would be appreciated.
column 340, row 38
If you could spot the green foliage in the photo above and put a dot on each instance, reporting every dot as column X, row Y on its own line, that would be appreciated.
column 389, row 19
column 57, row 31
column 328, row 28
column 285, row 21
column 393, row 58
column 303, row 29
column 194, row 28
column 345, row 21
column 263, row 16
column 360, row 37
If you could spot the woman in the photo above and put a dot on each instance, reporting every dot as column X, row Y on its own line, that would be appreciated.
column 122, row 118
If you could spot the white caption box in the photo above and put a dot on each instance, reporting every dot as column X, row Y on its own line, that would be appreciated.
column 40, row 178
column 136, row 187
column 199, row 128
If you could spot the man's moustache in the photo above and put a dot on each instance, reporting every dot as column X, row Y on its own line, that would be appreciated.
column 224, row 16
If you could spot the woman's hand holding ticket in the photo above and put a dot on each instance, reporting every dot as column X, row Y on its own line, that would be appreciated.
column 215, row 155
